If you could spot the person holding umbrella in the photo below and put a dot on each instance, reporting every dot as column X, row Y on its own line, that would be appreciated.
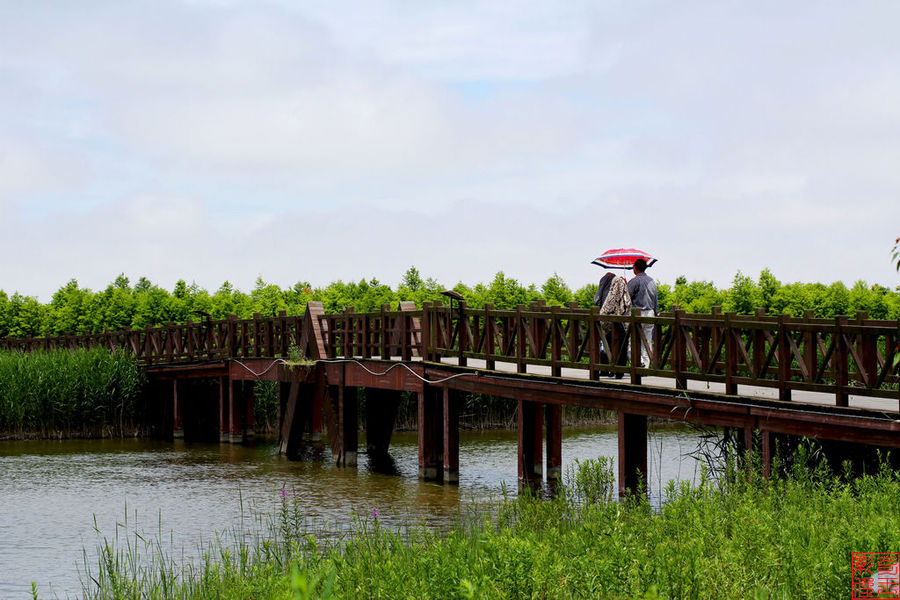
column 642, row 289
column 641, row 286
column 613, row 299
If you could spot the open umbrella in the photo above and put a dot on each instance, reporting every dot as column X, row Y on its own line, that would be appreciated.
column 622, row 258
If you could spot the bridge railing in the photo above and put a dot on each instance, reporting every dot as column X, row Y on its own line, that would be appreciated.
column 384, row 334
column 843, row 356
column 839, row 356
column 258, row 337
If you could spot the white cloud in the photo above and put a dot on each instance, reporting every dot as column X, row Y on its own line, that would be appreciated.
column 218, row 140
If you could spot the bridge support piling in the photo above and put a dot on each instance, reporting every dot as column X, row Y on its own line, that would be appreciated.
column 249, row 401
column 553, row 420
column 318, row 399
column 531, row 433
column 177, row 411
column 284, row 393
column 451, row 401
column 224, row 395
column 289, row 418
column 235, row 415
column 381, row 414
column 766, row 452
column 343, row 424
column 430, row 409
column 632, row 453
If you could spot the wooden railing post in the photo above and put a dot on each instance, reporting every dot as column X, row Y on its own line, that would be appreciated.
column 366, row 334
column 759, row 346
column 231, row 349
column 490, row 327
column 555, row 342
column 810, row 349
column 574, row 333
column 867, row 349
column 284, row 338
column 383, row 339
column 784, row 360
column 715, row 335
column 731, row 355
column 427, row 331
column 841, row 362
column 594, row 344
column 521, row 341
column 347, row 344
column 462, row 324
column 679, row 349
column 405, row 336
column 257, row 343
column 635, row 335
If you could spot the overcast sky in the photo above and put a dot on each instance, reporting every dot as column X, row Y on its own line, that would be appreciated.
column 316, row 141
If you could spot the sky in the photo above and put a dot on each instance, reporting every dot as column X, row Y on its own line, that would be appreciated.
column 214, row 140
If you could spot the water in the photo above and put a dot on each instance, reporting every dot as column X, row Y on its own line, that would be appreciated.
column 51, row 492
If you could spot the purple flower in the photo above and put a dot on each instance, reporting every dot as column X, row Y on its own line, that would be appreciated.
column 374, row 512
column 283, row 494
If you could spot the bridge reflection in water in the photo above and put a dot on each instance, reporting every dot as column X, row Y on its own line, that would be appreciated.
column 826, row 378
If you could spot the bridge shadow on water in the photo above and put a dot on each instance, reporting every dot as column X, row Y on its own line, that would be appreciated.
column 382, row 464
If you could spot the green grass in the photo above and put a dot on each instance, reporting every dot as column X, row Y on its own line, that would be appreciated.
column 65, row 392
column 738, row 537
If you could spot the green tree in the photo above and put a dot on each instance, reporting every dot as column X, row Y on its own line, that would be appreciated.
column 556, row 292
column 838, row 300
column 696, row 296
column 412, row 280
column 663, row 296
column 743, row 297
column 4, row 314
column 229, row 301
column 25, row 315
column 154, row 306
column 505, row 293
column 114, row 308
column 70, row 310
column 268, row 300
column 584, row 296
column 413, row 287
column 122, row 283
column 768, row 287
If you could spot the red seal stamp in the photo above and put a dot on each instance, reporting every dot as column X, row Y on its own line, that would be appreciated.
column 874, row 575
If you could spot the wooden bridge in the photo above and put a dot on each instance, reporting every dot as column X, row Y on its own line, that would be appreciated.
column 826, row 378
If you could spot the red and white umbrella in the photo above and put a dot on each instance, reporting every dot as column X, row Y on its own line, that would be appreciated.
column 622, row 258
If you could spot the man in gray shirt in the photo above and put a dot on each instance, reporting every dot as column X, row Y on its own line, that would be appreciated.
column 642, row 290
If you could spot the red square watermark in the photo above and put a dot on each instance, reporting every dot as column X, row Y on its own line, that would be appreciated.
column 874, row 575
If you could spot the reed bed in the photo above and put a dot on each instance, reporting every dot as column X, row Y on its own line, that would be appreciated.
column 68, row 392
column 738, row 536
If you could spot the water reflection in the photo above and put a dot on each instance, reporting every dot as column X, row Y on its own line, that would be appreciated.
column 51, row 491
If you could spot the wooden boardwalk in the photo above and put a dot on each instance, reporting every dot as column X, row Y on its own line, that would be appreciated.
column 827, row 378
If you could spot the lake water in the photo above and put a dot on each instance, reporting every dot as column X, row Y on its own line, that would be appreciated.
column 53, row 492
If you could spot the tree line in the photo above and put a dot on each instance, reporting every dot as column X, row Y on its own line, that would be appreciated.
column 74, row 309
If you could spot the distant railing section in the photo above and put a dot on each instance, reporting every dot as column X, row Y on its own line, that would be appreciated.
column 840, row 356
column 188, row 342
column 384, row 334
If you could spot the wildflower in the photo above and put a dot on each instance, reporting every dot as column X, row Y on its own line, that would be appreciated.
column 374, row 512
column 283, row 493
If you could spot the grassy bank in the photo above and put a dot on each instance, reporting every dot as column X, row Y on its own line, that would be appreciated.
column 735, row 538
column 68, row 393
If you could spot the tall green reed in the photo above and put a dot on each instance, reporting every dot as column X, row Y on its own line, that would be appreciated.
column 737, row 536
column 68, row 392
